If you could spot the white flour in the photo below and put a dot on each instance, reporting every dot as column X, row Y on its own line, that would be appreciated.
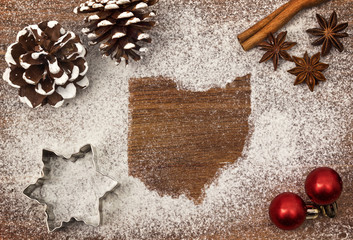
column 198, row 49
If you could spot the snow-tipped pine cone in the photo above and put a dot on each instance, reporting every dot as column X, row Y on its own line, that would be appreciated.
column 120, row 25
column 47, row 64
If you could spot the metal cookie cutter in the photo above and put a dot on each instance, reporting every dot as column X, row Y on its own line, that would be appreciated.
column 71, row 188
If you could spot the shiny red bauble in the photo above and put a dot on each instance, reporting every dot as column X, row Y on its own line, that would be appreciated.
column 287, row 211
column 323, row 186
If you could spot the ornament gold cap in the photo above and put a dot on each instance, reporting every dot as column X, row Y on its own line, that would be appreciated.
column 329, row 210
column 312, row 211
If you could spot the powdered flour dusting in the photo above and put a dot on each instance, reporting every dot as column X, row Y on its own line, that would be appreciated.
column 198, row 48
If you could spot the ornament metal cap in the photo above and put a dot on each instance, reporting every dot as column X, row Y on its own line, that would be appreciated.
column 329, row 210
column 312, row 211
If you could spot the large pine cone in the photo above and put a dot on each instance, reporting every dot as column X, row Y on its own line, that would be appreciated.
column 46, row 63
column 120, row 24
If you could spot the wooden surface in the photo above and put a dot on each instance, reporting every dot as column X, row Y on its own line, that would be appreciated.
column 179, row 139
column 17, row 225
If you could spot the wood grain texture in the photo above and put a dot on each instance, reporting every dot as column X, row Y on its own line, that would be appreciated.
column 178, row 139
column 17, row 223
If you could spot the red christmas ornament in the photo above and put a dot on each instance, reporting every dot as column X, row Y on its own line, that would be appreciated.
column 323, row 186
column 287, row 211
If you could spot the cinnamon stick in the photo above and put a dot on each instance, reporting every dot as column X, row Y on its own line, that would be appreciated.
column 242, row 37
column 272, row 23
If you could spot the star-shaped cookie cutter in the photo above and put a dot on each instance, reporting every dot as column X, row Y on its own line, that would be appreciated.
column 98, row 191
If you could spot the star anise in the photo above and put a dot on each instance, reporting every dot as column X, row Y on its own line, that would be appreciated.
column 328, row 33
column 309, row 70
column 276, row 48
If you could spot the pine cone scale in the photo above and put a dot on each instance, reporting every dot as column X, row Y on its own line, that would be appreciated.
column 11, row 76
column 145, row 25
column 106, row 22
column 55, row 99
column 109, row 47
column 30, row 96
column 14, row 52
column 27, row 60
column 75, row 73
column 111, row 7
column 33, row 74
column 121, row 15
column 99, row 15
column 101, row 31
column 60, row 78
column 133, row 55
column 28, row 43
column 45, row 88
column 53, row 31
column 36, row 32
column 68, row 91
column 119, row 32
column 61, row 42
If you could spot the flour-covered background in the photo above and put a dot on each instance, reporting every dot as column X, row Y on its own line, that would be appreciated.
column 292, row 129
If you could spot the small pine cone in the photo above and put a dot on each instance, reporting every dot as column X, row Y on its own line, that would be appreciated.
column 46, row 63
column 120, row 24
